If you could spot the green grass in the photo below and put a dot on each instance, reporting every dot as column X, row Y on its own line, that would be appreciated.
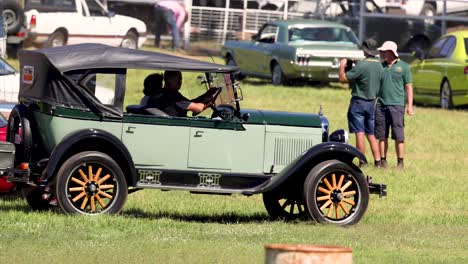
column 424, row 218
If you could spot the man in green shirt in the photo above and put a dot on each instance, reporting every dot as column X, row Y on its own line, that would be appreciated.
column 390, row 112
column 364, row 80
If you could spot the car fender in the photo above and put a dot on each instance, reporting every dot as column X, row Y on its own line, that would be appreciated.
column 298, row 169
column 89, row 140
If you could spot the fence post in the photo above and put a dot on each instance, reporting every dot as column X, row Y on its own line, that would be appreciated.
column 362, row 26
column 188, row 25
column 244, row 19
column 285, row 11
column 226, row 19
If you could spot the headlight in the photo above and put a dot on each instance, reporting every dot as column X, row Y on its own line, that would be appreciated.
column 340, row 135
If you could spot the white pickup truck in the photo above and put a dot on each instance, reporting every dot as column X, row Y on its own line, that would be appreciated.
column 54, row 23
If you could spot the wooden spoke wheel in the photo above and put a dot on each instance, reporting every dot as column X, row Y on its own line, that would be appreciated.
column 283, row 206
column 336, row 193
column 91, row 183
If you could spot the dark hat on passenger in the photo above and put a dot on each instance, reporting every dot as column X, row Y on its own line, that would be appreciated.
column 369, row 46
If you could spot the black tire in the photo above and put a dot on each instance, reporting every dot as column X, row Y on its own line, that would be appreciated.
column 103, row 190
column 19, row 133
column 231, row 62
column 277, row 75
column 57, row 39
column 130, row 41
column 34, row 197
column 13, row 15
column 333, row 184
column 284, row 206
column 446, row 101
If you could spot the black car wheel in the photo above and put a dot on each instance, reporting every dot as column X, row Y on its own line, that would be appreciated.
column 34, row 195
column 91, row 183
column 13, row 16
column 130, row 41
column 336, row 193
column 446, row 96
column 57, row 39
column 283, row 206
column 277, row 76
column 19, row 133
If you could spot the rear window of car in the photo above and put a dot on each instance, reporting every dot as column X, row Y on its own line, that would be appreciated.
column 466, row 46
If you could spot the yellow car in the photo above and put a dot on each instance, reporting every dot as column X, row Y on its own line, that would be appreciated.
column 441, row 76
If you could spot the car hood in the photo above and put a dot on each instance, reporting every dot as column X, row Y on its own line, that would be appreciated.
column 330, row 50
column 266, row 117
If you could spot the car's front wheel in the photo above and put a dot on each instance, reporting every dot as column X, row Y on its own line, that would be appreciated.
column 284, row 206
column 91, row 183
column 446, row 96
column 336, row 193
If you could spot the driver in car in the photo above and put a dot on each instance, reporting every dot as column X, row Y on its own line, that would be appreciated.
column 173, row 103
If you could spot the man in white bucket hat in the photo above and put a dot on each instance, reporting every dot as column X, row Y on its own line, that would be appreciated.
column 390, row 111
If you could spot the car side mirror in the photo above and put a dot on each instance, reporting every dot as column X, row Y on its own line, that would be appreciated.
column 110, row 14
column 238, row 91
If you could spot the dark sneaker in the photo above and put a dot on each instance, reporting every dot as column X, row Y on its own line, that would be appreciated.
column 400, row 165
column 362, row 163
column 378, row 163
column 383, row 163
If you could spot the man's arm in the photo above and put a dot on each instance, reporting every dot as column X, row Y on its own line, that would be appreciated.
column 342, row 73
column 409, row 95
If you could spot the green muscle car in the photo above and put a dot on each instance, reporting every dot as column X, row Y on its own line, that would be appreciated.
column 294, row 50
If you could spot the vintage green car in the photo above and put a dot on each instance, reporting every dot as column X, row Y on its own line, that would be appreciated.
column 87, row 156
column 291, row 50
column 441, row 76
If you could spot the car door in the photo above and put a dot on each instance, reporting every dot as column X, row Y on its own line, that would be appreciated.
column 97, row 25
column 156, row 141
column 262, row 51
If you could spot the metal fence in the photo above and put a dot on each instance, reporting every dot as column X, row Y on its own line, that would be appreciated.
column 221, row 24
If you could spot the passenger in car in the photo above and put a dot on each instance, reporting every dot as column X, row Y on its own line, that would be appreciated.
column 172, row 102
column 152, row 86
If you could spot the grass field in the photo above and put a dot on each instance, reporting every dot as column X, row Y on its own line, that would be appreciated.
column 424, row 218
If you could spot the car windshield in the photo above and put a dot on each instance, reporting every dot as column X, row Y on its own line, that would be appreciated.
column 327, row 34
column 5, row 68
column 466, row 46
column 222, row 80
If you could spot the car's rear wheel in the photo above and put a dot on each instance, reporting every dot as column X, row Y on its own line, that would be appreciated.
column 57, row 39
column 91, row 183
column 446, row 96
column 34, row 195
column 277, row 76
column 130, row 41
column 335, row 193
column 284, row 206
column 19, row 133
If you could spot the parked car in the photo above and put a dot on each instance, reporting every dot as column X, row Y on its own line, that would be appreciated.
column 429, row 7
column 90, row 155
column 62, row 22
column 12, row 26
column 288, row 50
column 409, row 34
column 441, row 76
column 9, row 82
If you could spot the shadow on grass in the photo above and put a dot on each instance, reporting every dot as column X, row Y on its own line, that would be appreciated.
column 224, row 218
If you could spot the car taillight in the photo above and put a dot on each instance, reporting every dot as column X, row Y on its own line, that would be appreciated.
column 33, row 21
column 466, row 69
column 21, row 34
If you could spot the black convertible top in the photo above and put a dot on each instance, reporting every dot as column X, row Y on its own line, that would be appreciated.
column 52, row 75
column 95, row 56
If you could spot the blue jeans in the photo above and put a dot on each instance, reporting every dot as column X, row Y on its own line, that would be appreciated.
column 361, row 116
column 163, row 17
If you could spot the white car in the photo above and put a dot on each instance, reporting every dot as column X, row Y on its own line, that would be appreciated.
column 428, row 7
column 62, row 22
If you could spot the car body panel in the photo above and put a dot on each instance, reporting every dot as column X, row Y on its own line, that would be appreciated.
column 430, row 73
column 320, row 58
column 77, row 22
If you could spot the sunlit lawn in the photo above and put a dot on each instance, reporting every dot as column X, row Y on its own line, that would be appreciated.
column 424, row 218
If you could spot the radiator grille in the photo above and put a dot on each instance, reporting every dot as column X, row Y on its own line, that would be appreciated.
column 287, row 149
